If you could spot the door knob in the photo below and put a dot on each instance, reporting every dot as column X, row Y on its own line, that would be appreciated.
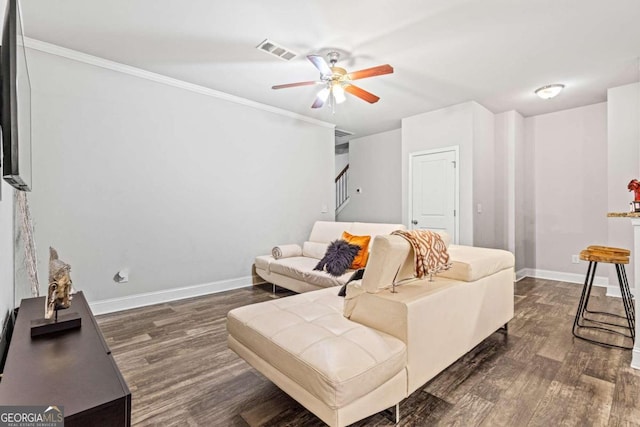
column 414, row 222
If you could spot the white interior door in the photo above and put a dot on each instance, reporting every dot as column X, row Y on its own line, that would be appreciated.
column 434, row 192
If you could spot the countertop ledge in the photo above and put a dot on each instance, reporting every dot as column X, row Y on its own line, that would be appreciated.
column 624, row 214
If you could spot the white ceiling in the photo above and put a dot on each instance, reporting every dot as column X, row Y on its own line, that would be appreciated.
column 444, row 52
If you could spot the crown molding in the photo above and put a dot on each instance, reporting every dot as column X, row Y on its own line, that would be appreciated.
column 159, row 78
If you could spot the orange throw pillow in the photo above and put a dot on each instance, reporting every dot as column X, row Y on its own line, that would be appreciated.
column 363, row 241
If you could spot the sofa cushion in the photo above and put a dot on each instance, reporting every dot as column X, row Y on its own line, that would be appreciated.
column 326, row 231
column 301, row 268
column 373, row 229
column 360, row 260
column 391, row 258
column 471, row 263
column 314, row 249
column 306, row 338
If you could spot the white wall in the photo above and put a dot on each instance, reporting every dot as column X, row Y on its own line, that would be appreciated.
column 484, row 171
column 443, row 128
column 509, row 184
column 529, row 202
column 182, row 188
column 375, row 166
column 6, row 251
column 470, row 126
column 6, row 238
column 518, row 195
column 570, row 185
column 623, row 110
column 501, row 195
column 342, row 160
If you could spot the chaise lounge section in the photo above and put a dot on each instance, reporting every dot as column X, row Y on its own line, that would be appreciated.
column 348, row 358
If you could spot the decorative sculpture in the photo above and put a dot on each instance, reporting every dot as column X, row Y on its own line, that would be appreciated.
column 634, row 186
column 60, row 285
column 58, row 298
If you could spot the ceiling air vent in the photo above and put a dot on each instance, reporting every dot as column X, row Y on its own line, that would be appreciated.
column 342, row 136
column 340, row 133
column 276, row 50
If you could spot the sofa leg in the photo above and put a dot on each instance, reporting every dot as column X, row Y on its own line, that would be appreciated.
column 393, row 413
column 505, row 328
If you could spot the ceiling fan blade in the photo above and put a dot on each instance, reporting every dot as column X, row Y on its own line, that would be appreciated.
column 321, row 98
column 321, row 64
column 318, row 103
column 361, row 93
column 295, row 85
column 370, row 72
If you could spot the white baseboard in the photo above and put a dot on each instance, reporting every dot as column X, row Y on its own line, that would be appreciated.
column 602, row 281
column 560, row 276
column 614, row 291
column 635, row 357
column 150, row 298
column 521, row 274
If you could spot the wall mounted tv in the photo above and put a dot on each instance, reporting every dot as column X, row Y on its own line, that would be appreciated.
column 15, row 117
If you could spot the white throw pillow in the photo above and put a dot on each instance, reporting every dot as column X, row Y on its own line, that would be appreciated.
column 314, row 249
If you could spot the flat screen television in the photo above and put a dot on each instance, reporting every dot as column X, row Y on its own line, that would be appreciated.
column 16, row 101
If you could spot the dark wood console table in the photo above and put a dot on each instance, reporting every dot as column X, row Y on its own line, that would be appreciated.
column 73, row 369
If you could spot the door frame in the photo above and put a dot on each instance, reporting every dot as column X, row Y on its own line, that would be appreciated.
column 456, row 202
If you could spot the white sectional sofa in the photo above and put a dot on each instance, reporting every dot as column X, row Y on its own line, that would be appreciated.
column 296, row 272
column 348, row 358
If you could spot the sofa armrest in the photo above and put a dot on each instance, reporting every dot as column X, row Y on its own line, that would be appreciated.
column 472, row 263
column 286, row 251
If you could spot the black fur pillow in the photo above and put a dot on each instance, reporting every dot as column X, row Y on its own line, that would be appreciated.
column 338, row 257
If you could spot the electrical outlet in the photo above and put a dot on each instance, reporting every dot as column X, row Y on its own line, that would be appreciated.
column 122, row 276
column 575, row 259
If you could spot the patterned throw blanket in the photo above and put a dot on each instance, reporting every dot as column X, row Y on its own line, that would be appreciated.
column 430, row 251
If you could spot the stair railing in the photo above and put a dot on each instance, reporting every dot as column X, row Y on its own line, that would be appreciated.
column 342, row 187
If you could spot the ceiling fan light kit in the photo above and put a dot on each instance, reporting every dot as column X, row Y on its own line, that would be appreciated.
column 337, row 81
column 549, row 91
column 338, row 93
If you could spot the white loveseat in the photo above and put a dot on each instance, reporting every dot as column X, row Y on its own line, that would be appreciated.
column 346, row 359
column 296, row 272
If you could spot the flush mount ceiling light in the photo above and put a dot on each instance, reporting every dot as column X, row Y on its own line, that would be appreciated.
column 549, row 91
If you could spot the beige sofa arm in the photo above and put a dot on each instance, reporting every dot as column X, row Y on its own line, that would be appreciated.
column 286, row 251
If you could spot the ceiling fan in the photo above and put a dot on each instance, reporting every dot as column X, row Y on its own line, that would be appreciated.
column 337, row 81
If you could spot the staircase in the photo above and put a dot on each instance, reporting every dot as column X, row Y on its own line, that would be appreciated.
column 342, row 189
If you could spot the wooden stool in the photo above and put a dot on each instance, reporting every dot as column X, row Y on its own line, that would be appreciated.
column 618, row 257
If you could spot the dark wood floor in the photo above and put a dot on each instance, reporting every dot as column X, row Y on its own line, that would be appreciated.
column 175, row 359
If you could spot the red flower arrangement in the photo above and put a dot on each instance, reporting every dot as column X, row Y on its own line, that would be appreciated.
column 634, row 186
